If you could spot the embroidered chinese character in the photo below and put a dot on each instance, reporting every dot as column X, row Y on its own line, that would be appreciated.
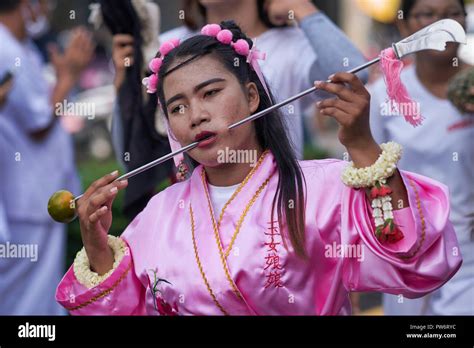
column 273, row 261
column 272, row 246
column 274, row 278
column 273, row 229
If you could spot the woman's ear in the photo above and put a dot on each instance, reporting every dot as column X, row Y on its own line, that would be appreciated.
column 252, row 96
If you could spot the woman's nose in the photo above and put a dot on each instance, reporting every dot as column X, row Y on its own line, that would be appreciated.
column 199, row 115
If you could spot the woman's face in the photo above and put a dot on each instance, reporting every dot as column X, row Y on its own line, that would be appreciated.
column 203, row 96
column 426, row 12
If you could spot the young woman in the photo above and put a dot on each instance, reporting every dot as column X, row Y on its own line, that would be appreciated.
column 441, row 148
column 275, row 237
column 318, row 46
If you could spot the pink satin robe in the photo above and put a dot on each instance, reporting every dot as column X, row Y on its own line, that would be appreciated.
column 160, row 240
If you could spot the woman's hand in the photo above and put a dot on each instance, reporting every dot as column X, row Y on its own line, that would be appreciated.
column 351, row 109
column 94, row 211
column 122, row 55
column 281, row 12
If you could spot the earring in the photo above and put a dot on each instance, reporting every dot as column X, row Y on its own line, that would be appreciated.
column 182, row 171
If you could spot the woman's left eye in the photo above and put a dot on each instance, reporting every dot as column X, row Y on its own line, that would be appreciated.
column 211, row 92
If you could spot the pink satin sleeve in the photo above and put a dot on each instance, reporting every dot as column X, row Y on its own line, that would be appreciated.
column 427, row 256
column 121, row 293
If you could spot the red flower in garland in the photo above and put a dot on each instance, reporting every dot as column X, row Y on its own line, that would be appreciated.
column 392, row 233
column 395, row 236
column 389, row 232
column 380, row 191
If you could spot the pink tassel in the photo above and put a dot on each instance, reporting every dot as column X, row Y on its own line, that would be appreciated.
column 396, row 90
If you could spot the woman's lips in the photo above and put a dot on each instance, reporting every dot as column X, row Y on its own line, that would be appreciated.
column 208, row 141
column 209, row 137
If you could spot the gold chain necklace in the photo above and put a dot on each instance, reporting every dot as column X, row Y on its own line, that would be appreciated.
column 216, row 233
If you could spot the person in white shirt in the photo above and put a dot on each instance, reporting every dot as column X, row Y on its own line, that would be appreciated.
column 36, row 158
column 441, row 148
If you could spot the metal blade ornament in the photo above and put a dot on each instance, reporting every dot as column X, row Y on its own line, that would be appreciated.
column 62, row 204
column 433, row 37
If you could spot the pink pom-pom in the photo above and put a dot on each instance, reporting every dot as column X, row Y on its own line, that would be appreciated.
column 241, row 47
column 155, row 64
column 211, row 30
column 167, row 47
column 153, row 81
column 205, row 29
column 225, row 36
column 175, row 42
column 150, row 83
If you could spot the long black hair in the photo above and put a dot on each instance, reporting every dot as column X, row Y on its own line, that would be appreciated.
column 271, row 131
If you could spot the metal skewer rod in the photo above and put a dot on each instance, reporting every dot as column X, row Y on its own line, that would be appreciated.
column 297, row 96
column 234, row 125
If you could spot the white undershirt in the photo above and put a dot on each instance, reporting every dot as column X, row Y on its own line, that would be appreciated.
column 219, row 196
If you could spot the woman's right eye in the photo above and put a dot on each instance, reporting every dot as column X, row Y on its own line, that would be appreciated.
column 176, row 109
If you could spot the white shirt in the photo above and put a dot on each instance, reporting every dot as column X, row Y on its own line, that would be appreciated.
column 219, row 197
column 31, row 171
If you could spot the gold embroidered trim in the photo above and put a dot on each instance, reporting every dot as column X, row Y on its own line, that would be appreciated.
column 223, row 255
column 237, row 230
column 422, row 218
column 209, row 289
column 103, row 293
column 239, row 188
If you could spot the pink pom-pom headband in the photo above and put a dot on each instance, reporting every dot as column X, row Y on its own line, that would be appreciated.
column 225, row 37
column 155, row 64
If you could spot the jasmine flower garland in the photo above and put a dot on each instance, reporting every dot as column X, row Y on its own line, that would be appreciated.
column 376, row 176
